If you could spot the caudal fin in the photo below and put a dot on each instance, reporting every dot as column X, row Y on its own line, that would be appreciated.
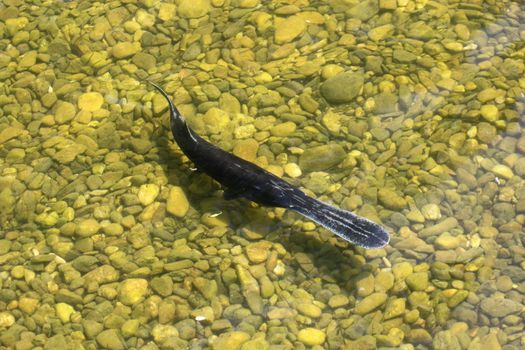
column 347, row 225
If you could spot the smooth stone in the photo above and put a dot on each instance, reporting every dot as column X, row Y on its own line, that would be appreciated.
column 177, row 203
column 148, row 193
column 110, row 339
column 288, row 29
column 87, row 228
column 343, row 87
column 370, row 303
column 496, row 307
column 193, row 8
column 417, row 281
column 258, row 252
column 125, row 49
column 64, row 112
column 431, row 211
column 489, row 112
column 230, row 340
column 311, row 336
column 309, row 310
column 64, row 311
column 390, row 199
column 90, row 101
column 132, row 290
column 321, row 157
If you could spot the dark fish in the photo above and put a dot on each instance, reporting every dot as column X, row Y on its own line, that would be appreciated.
column 241, row 178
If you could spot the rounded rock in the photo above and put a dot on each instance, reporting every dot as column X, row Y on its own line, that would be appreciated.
column 132, row 290
column 90, row 101
column 311, row 336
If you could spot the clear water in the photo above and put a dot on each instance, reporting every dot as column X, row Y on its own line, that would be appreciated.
column 406, row 112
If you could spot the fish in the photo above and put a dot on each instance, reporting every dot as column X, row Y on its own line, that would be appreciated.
column 243, row 179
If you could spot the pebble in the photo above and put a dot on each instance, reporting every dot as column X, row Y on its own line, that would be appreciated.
column 431, row 211
column 64, row 112
column 193, row 8
column 64, row 311
column 132, row 290
column 321, row 157
column 177, row 203
column 90, row 101
column 230, row 340
column 110, row 339
column 390, row 199
column 499, row 307
column 87, row 228
column 343, row 87
column 370, row 303
column 288, row 29
column 148, row 193
column 311, row 336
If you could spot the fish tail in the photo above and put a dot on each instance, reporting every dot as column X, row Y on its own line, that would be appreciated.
column 174, row 111
column 347, row 225
column 179, row 127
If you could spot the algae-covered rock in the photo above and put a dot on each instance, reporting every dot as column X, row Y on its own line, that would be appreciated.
column 343, row 87
column 321, row 157
column 311, row 336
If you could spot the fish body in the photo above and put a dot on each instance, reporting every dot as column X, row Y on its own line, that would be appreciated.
column 241, row 178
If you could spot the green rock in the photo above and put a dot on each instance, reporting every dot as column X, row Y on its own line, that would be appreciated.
column 144, row 60
column 64, row 311
column 230, row 341
column 10, row 336
column 308, row 103
column 56, row 342
column 445, row 340
column 288, row 29
column 384, row 281
column 133, row 290
column 309, row 310
column 342, row 88
column 512, row 68
column 162, row 285
column 394, row 308
column 5, row 246
column 417, row 281
column 385, row 102
column 68, row 154
column 141, row 146
column 256, row 344
column 321, row 157
column 338, row 300
column 489, row 112
column 284, row 129
column 499, row 307
column 370, row 303
column 130, row 328
column 390, row 199
column 125, row 49
column 85, row 263
column 311, row 336
column 87, row 228
column 403, row 56
column 421, row 31
column 442, row 313
column 110, row 339
column 193, row 8
column 381, row 32
column 91, row 328
column 68, row 297
column 364, row 10
column 64, row 112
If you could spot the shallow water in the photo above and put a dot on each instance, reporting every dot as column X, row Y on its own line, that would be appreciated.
column 406, row 112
